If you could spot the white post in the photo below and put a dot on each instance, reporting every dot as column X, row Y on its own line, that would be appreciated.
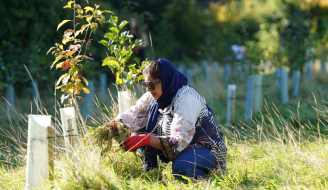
column 284, row 85
column 278, row 77
column 240, row 72
column 324, row 67
column 181, row 68
column 308, row 70
column 231, row 102
column 39, row 164
column 226, row 73
column 296, row 81
column 70, row 130
column 124, row 101
column 10, row 97
column 249, row 97
column 88, row 99
column 257, row 93
column 216, row 66
column 188, row 75
column 102, row 85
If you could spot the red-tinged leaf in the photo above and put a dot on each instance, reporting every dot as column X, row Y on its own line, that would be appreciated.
column 66, row 65
column 77, row 23
column 90, row 54
column 62, row 23
column 75, row 47
column 85, row 90
column 90, row 40
column 79, row 75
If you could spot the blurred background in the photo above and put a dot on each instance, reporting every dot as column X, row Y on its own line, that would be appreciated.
column 259, row 35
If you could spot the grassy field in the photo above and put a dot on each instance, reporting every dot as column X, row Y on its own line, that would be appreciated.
column 282, row 147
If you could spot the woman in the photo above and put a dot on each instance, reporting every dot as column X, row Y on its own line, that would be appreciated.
column 177, row 123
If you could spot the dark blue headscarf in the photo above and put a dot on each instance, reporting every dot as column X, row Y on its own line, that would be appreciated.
column 172, row 80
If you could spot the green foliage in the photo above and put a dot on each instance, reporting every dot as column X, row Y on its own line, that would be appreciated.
column 26, row 33
column 120, row 46
column 70, row 53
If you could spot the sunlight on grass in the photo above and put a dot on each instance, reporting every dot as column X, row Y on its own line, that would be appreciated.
column 279, row 149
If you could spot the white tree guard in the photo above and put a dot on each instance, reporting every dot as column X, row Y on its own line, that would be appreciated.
column 124, row 101
column 257, row 93
column 10, row 97
column 39, row 165
column 102, row 85
column 231, row 102
column 70, row 130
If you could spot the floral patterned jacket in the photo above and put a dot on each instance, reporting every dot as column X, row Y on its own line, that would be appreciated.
column 186, row 123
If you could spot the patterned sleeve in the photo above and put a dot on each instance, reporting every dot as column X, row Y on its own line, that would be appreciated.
column 137, row 116
column 186, row 111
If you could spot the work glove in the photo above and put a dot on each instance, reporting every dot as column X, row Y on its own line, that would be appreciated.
column 137, row 141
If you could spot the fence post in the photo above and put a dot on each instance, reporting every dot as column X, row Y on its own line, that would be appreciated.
column 39, row 164
column 231, row 102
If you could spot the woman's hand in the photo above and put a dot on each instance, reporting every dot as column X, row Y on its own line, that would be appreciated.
column 117, row 130
column 136, row 141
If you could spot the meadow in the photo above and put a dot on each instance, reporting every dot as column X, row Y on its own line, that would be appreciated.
column 284, row 146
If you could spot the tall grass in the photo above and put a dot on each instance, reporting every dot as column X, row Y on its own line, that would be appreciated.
column 283, row 147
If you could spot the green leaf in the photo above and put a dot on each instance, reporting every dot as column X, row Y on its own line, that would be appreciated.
column 83, row 27
column 123, row 23
column 109, row 36
column 114, row 30
column 62, row 23
column 137, row 60
column 57, row 59
column 85, row 81
column 50, row 49
column 59, row 65
column 104, row 42
column 141, row 77
column 112, row 22
column 94, row 27
column 69, row 4
column 106, row 11
column 132, row 68
column 87, row 9
column 88, row 18
column 111, row 62
column 124, row 53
